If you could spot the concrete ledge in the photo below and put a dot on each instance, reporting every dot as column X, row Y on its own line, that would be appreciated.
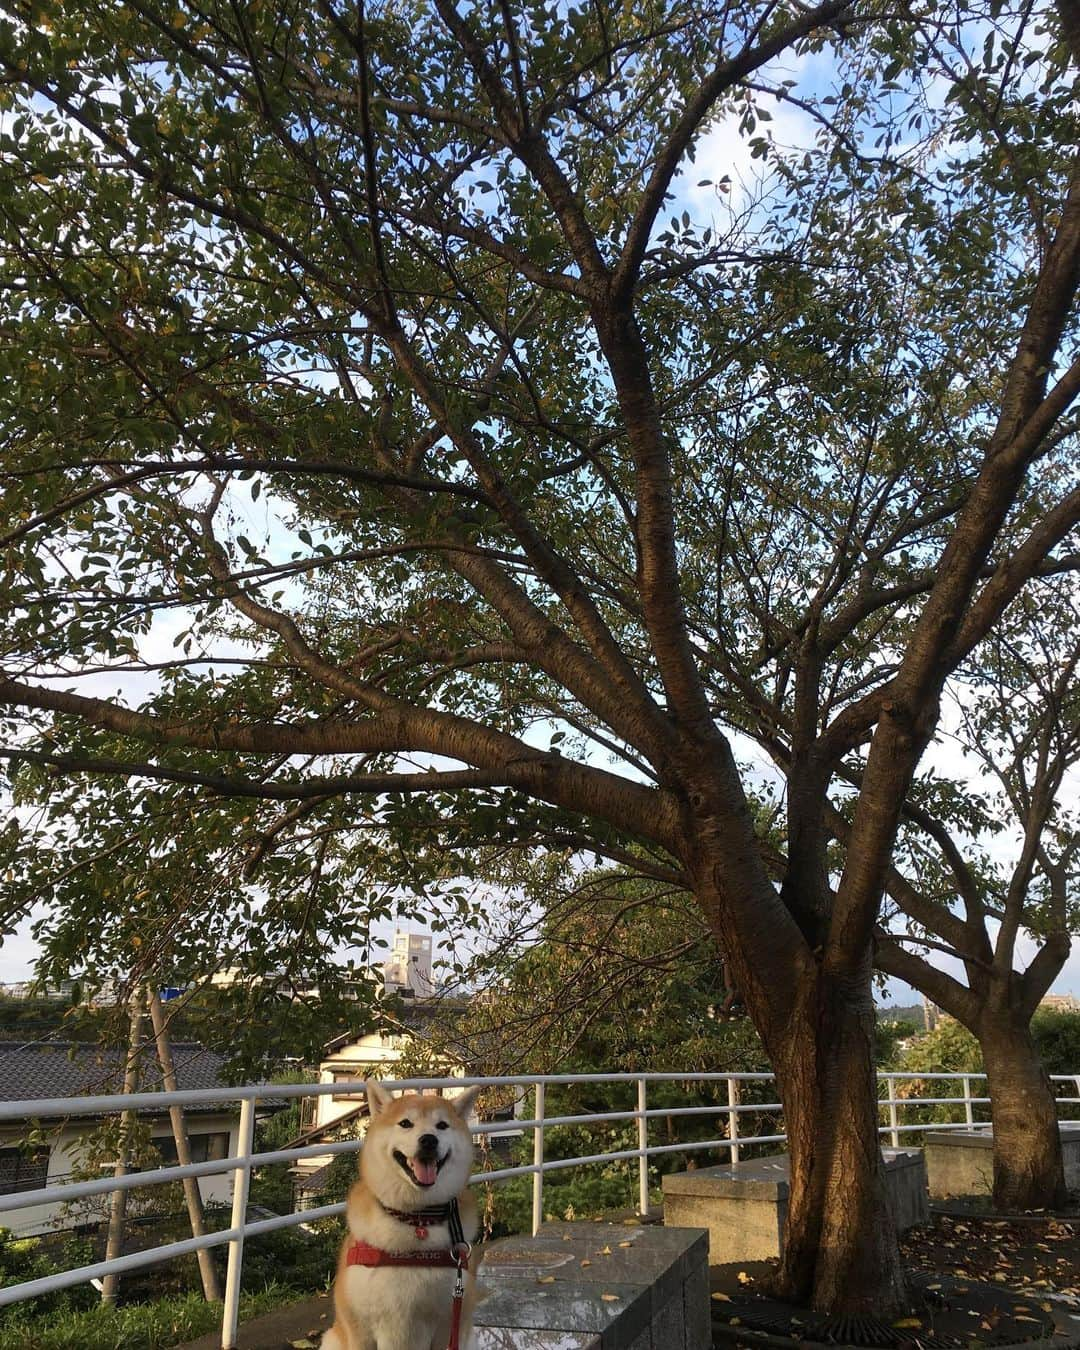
column 575, row 1286
column 960, row 1162
column 744, row 1206
column 589, row 1286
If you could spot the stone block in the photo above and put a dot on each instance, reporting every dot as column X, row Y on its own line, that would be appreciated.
column 961, row 1162
column 744, row 1206
column 669, row 1325
column 697, row 1316
column 514, row 1338
column 611, row 1286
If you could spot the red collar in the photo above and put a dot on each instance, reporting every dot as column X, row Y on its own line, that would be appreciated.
column 363, row 1254
column 420, row 1218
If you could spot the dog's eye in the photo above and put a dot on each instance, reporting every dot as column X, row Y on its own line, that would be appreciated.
column 405, row 1124
column 443, row 1125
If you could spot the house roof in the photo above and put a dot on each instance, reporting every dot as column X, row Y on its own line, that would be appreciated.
column 76, row 1069
column 409, row 1018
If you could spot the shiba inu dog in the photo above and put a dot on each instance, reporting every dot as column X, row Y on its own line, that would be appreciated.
column 408, row 1213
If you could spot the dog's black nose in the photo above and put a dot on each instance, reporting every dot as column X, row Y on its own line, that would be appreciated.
column 428, row 1143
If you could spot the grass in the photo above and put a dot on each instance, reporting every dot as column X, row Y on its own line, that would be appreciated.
column 138, row 1326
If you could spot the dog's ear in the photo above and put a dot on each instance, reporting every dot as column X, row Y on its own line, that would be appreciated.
column 464, row 1101
column 378, row 1097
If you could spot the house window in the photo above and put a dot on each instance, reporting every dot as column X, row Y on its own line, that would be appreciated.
column 356, row 1096
column 21, row 1171
column 204, row 1147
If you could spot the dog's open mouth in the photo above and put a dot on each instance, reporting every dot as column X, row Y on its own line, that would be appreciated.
column 420, row 1170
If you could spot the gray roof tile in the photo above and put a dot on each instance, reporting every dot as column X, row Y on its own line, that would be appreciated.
column 75, row 1069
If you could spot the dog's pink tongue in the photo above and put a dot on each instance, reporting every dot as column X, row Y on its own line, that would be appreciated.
column 425, row 1172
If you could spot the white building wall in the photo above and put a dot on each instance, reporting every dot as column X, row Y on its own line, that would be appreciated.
column 67, row 1150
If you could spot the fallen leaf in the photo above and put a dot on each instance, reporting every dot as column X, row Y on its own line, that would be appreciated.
column 545, row 1279
column 722, row 1298
column 586, row 1262
column 626, row 1244
column 908, row 1322
column 610, row 1298
column 604, row 1251
column 742, row 1277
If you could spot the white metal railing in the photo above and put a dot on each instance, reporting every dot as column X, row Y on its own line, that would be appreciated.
column 244, row 1161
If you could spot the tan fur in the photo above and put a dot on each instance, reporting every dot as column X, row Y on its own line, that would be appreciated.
column 405, row 1307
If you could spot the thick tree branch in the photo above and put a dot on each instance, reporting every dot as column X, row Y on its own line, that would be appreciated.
column 642, row 811
column 947, row 993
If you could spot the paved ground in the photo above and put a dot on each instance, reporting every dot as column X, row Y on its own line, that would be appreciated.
column 300, row 1325
column 1037, row 1257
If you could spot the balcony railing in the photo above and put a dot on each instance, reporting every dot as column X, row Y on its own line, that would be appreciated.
column 245, row 1160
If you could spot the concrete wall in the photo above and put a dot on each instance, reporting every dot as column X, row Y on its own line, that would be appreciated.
column 961, row 1162
column 591, row 1286
column 744, row 1206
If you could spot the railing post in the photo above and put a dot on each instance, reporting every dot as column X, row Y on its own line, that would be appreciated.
column 538, row 1159
column 733, row 1119
column 969, row 1112
column 231, row 1312
column 643, row 1144
column 894, row 1114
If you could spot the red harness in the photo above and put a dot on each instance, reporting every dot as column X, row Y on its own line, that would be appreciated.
column 363, row 1254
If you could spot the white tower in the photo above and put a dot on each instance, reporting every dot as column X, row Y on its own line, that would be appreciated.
column 409, row 966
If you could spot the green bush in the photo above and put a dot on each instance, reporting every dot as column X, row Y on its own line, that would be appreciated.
column 949, row 1048
column 25, row 1259
column 138, row 1326
column 1057, row 1037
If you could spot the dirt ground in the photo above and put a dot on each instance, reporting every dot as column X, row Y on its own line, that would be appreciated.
column 976, row 1281
column 1030, row 1254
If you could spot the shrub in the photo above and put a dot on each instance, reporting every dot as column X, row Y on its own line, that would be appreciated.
column 138, row 1326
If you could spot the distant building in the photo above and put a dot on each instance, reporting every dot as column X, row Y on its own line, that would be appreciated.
column 75, row 1069
column 292, row 988
column 409, row 965
column 1060, row 1002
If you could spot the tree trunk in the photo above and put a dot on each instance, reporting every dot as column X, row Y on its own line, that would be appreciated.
column 840, row 1250
column 813, row 1008
column 192, row 1194
column 114, row 1235
column 1028, row 1170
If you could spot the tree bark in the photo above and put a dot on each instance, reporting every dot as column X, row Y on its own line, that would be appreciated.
column 192, row 1194
column 840, row 1250
column 1028, row 1169
column 114, row 1235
